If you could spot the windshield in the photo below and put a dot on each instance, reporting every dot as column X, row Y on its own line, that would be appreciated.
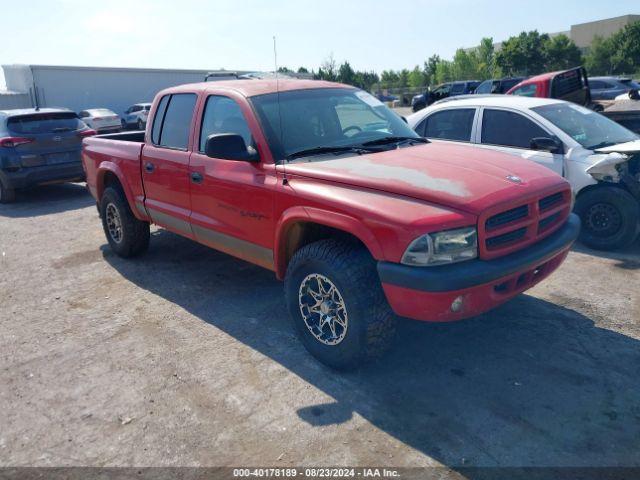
column 300, row 120
column 588, row 128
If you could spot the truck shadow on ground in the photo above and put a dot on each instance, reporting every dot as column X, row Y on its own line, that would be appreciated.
column 47, row 200
column 627, row 258
column 530, row 384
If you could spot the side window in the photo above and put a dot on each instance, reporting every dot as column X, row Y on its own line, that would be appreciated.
column 136, row 108
column 223, row 115
column 84, row 114
column 457, row 88
column 452, row 124
column 174, row 132
column 596, row 84
column 157, row 120
column 526, row 90
column 485, row 87
column 509, row 129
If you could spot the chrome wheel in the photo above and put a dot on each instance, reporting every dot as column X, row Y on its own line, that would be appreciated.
column 114, row 223
column 323, row 310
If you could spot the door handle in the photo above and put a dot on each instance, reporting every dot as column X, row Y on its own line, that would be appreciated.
column 196, row 177
column 149, row 167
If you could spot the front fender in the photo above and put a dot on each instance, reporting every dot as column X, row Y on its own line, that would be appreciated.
column 327, row 218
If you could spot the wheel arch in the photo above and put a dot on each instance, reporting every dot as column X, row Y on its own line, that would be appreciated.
column 110, row 175
column 300, row 226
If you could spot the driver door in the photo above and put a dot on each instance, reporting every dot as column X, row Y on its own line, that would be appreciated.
column 232, row 201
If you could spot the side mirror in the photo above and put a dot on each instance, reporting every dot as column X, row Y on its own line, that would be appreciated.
column 229, row 146
column 404, row 119
column 546, row 144
column 634, row 94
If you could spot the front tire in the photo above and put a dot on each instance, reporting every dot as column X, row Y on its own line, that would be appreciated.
column 140, row 125
column 127, row 236
column 337, row 305
column 609, row 218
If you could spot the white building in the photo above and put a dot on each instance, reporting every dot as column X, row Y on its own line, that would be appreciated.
column 79, row 88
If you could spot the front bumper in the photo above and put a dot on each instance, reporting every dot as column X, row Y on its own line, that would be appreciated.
column 427, row 293
column 30, row 176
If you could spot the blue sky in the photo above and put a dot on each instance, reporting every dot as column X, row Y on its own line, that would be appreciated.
column 372, row 35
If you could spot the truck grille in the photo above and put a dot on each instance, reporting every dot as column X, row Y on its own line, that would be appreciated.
column 504, row 230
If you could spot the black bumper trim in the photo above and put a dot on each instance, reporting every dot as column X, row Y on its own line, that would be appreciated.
column 445, row 278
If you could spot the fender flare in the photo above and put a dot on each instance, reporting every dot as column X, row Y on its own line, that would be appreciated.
column 111, row 167
column 328, row 218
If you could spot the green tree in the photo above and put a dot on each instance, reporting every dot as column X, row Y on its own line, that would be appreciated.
column 430, row 67
column 524, row 54
column 486, row 59
column 464, row 65
column 346, row 74
column 302, row 70
column 417, row 78
column 599, row 60
column 626, row 42
column 444, row 72
column 562, row 53
column 389, row 79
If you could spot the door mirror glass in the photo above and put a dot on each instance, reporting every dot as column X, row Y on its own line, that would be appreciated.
column 546, row 144
column 229, row 146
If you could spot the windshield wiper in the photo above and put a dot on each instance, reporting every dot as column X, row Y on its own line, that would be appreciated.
column 320, row 150
column 601, row 145
column 385, row 140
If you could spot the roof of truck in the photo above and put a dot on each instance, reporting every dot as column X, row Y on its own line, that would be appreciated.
column 250, row 88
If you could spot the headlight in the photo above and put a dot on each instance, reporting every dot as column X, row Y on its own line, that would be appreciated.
column 438, row 248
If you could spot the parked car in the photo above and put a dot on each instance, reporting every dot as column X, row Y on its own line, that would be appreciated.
column 570, row 85
column 608, row 88
column 39, row 146
column 102, row 120
column 599, row 158
column 323, row 184
column 498, row 85
column 386, row 98
column 136, row 116
column 451, row 89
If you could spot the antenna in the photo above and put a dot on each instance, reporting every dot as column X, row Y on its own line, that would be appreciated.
column 275, row 64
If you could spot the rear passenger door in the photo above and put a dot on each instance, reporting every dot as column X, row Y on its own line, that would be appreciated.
column 451, row 124
column 511, row 132
column 165, row 163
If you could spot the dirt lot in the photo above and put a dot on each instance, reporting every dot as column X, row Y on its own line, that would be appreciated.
column 185, row 357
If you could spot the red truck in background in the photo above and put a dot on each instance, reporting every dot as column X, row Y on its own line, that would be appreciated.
column 570, row 85
column 324, row 185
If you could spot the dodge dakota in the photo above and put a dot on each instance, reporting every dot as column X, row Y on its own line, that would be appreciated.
column 362, row 218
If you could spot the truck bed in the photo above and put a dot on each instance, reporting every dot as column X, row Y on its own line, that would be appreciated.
column 116, row 154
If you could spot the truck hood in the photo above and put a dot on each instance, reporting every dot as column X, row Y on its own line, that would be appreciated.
column 466, row 178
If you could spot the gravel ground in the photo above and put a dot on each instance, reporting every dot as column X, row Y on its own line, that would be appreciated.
column 185, row 357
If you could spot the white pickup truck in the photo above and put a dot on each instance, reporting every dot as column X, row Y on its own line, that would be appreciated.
column 599, row 158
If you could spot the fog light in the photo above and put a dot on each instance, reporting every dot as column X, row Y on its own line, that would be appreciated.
column 456, row 305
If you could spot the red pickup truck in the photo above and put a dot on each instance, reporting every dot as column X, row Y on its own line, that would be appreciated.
column 324, row 185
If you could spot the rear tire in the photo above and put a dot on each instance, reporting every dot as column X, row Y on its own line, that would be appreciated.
column 7, row 195
column 333, row 282
column 127, row 236
column 140, row 125
column 609, row 217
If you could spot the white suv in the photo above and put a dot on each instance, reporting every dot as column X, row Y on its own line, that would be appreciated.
column 136, row 116
column 599, row 158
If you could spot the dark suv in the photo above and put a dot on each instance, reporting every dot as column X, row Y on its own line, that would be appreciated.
column 39, row 146
column 608, row 88
column 498, row 85
column 450, row 89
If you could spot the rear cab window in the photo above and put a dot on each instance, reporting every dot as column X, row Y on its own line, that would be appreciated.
column 526, row 90
column 39, row 123
column 172, row 122
column 451, row 124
